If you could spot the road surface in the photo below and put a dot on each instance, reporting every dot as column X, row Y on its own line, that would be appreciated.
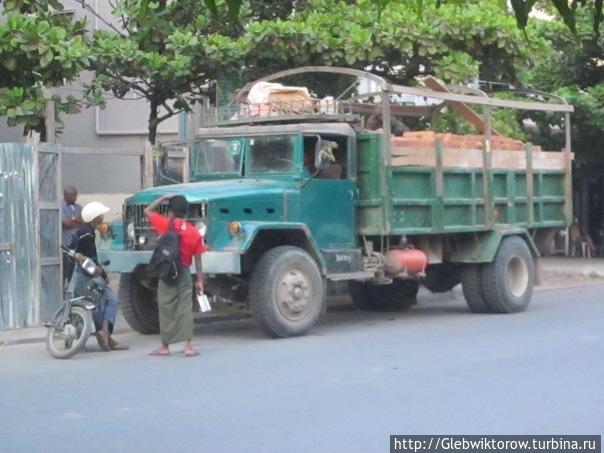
column 357, row 378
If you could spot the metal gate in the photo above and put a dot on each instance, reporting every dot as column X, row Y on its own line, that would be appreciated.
column 49, row 228
column 30, row 265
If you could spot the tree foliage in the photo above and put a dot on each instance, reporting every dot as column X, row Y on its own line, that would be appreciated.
column 39, row 49
column 171, row 52
column 521, row 8
column 174, row 50
column 456, row 44
column 573, row 67
column 168, row 53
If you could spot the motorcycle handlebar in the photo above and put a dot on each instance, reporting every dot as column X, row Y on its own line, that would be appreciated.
column 67, row 251
column 72, row 254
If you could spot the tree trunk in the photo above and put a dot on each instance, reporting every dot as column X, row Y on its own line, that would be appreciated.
column 153, row 122
column 157, row 163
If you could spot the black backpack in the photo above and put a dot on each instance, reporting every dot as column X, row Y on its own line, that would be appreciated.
column 165, row 261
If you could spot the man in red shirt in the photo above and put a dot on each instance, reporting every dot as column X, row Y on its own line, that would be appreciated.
column 174, row 301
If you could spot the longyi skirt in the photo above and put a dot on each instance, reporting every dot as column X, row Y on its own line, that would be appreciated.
column 175, row 309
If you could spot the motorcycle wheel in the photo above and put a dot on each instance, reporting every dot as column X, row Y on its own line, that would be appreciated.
column 62, row 343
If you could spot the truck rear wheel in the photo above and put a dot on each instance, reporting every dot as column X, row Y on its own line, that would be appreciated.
column 443, row 277
column 507, row 282
column 286, row 292
column 138, row 305
column 399, row 295
column 471, row 284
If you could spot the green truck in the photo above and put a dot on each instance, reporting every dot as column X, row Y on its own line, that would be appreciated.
column 292, row 195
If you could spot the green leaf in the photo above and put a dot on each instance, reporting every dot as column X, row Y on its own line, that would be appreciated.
column 46, row 59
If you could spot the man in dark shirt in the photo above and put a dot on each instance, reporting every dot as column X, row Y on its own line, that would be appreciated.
column 71, row 218
column 84, row 242
column 376, row 121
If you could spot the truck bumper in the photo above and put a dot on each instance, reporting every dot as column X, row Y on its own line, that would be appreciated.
column 221, row 262
column 125, row 261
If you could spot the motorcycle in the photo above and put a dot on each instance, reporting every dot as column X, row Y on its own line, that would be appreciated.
column 72, row 323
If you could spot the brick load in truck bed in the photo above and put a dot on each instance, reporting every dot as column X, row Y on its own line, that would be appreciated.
column 418, row 149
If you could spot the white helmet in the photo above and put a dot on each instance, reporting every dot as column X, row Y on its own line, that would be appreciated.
column 92, row 210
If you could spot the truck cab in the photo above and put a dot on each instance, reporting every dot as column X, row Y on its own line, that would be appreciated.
column 290, row 188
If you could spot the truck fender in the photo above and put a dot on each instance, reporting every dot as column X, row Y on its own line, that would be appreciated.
column 260, row 237
column 482, row 247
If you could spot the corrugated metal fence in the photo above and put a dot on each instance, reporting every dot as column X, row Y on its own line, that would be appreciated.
column 30, row 265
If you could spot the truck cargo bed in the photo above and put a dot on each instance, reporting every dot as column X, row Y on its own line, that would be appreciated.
column 435, row 190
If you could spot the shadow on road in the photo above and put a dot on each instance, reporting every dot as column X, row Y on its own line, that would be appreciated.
column 341, row 313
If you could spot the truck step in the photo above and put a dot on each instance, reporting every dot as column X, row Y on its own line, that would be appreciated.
column 364, row 275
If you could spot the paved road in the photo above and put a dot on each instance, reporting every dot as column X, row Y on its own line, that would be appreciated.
column 356, row 379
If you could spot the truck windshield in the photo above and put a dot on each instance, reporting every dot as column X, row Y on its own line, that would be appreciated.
column 272, row 154
column 217, row 156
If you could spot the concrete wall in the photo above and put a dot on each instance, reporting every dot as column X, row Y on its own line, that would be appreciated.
column 102, row 173
column 112, row 200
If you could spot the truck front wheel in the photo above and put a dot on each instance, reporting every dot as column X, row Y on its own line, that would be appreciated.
column 286, row 292
column 399, row 295
column 138, row 305
column 507, row 282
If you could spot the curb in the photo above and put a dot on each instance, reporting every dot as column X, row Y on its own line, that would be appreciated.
column 41, row 337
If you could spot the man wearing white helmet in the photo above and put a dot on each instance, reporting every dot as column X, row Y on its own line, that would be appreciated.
column 84, row 242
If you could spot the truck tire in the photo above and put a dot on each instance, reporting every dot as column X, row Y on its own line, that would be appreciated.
column 471, row 284
column 359, row 295
column 441, row 278
column 507, row 282
column 399, row 295
column 286, row 292
column 138, row 305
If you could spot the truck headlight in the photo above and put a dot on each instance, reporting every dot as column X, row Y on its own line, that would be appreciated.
column 142, row 239
column 202, row 228
column 130, row 231
column 234, row 228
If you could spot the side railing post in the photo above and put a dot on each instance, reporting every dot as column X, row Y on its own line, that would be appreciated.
column 487, row 164
column 568, row 179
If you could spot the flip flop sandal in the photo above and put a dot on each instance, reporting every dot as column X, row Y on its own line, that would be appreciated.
column 191, row 354
column 157, row 352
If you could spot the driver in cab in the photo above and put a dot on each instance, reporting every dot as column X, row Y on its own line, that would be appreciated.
column 332, row 171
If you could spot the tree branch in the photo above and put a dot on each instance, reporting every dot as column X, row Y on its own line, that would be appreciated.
column 130, row 83
column 170, row 112
column 86, row 6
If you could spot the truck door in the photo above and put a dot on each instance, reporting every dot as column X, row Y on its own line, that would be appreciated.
column 328, row 199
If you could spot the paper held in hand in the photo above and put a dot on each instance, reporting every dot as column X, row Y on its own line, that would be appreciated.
column 204, row 303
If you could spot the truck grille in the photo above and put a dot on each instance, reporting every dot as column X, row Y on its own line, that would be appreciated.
column 135, row 214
